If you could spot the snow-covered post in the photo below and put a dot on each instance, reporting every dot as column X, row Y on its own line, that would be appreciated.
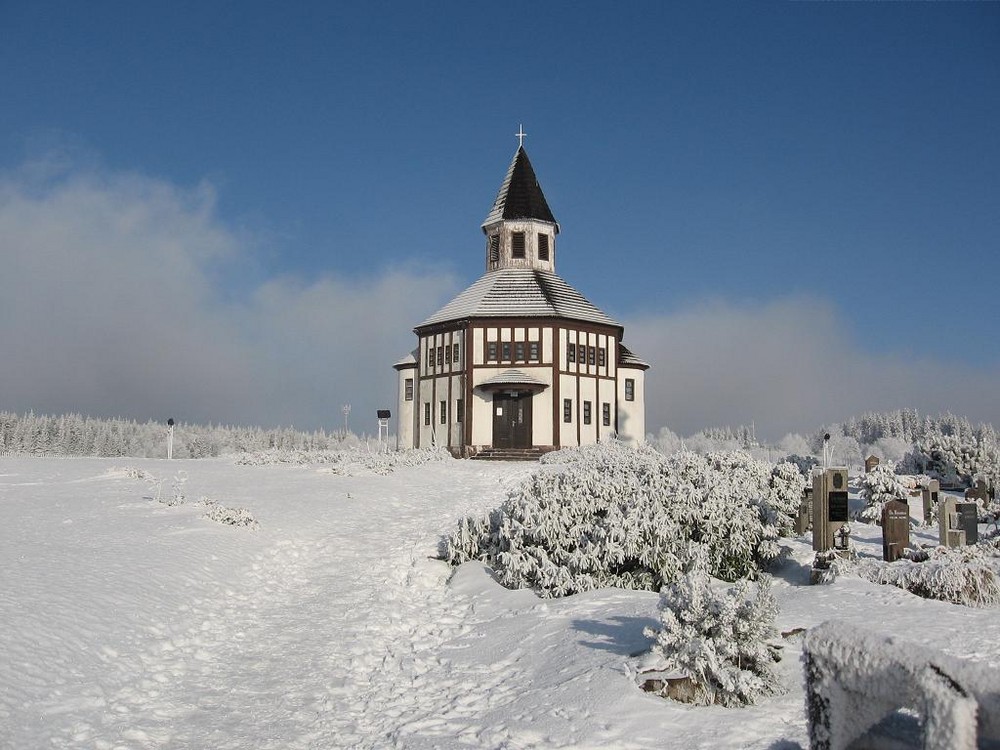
column 170, row 438
column 346, row 410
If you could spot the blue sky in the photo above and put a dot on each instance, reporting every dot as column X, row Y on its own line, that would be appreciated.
column 832, row 168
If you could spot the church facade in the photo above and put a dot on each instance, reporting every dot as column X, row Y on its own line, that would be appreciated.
column 520, row 360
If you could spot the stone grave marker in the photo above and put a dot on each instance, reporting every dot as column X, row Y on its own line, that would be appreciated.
column 968, row 521
column 895, row 529
column 930, row 497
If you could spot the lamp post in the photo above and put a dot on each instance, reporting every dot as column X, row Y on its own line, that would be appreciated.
column 170, row 438
column 346, row 409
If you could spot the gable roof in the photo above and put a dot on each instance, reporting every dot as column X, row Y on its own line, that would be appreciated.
column 520, row 195
column 520, row 292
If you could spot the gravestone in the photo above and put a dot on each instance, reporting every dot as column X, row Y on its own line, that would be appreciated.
column 968, row 521
column 803, row 518
column 950, row 533
column 830, row 506
column 930, row 494
column 895, row 529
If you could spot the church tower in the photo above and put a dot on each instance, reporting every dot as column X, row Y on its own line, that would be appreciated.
column 520, row 362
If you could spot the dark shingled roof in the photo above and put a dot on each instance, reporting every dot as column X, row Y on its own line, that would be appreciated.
column 520, row 195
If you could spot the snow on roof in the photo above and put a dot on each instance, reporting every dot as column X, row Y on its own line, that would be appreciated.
column 410, row 360
column 513, row 377
column 627, row 359
column 520, row 292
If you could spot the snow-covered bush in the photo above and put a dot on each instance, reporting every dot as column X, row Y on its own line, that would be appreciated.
column 623, row 516
column 718, row 637
column 232, row 516
column 961, row 575
column 130, row 472
column 362, row 459
column 879, row 486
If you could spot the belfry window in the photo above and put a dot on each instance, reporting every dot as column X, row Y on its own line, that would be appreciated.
column 543, row 247
column 494, row 250
column 517, row 245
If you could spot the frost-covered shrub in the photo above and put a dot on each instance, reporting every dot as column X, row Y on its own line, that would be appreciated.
column 961, row 575
column 718, row 638
column 622, row 516
column 879, row 486
column 362, row 459
column 232, row 516
column 130, row 472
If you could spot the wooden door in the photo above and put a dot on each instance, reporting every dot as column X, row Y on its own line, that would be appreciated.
column 512, row 420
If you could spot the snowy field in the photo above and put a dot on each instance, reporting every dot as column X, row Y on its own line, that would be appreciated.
column 129, row 623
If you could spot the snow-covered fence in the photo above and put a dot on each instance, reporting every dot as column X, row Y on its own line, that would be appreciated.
column 855, row 678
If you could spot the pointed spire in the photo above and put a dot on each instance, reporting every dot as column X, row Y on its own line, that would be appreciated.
column 520, row 195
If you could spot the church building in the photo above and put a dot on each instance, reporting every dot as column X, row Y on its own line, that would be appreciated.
column 520, row 362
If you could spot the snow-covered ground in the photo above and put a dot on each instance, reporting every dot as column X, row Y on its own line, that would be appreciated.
column 128, row 623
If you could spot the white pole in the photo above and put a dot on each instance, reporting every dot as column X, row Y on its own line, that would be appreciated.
column 170, row 439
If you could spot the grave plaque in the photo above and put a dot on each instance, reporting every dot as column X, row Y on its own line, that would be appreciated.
column 838, row 507
column 968, row 521
column 895, row 529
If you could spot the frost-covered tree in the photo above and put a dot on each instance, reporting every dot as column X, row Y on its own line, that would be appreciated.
column 718, row 637
column 878, row 487
column 622, row 516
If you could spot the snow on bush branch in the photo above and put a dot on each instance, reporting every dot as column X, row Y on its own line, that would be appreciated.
column 717, row 637
column 629, row 517
column 361, row 460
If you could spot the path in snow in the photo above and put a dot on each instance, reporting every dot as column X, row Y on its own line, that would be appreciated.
column 329, row 634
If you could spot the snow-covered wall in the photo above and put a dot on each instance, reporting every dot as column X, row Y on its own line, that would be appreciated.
column 855, row 678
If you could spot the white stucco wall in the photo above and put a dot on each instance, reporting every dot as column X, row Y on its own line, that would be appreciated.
column 632, row 414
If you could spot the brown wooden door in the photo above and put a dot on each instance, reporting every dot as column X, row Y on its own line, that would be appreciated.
column 512, row 420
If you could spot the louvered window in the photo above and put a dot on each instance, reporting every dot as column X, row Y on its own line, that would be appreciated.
column 567, row 410
column 408, row 390
column 494, row 250
column 629, row 389
column 491, row 351
column 505, row 351
column 454, row 353
column 444, row 412
column 427, row 413
column 606, row 412
column 543, row 247
column 519, row 351
column 586, row 412
column 533, row 351
column 517, row 245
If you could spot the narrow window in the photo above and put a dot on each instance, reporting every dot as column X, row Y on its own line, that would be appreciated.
column 440, row 356
column 494, row 250
column 571, row 353
column 454, row 353
column 491, row 351
column 602, row 356
column 427, row 413
column 519, row 351
column 581, row 354
column 567, row 410
column 629, row 389
column 430, row 357
column 543, row 247
column 459, row 410
column 517, row 245
column 606, row 414
column 505, row 351
column 444, row 412
column 586, row 412
column 533, row 353
column 408, row 390
column 591, row 355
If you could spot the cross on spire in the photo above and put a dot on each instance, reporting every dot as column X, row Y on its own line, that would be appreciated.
column 520, row 135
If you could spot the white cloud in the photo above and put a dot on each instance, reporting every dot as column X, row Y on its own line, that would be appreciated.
column 113, row 301
column 110, row 305
column 788, row 366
